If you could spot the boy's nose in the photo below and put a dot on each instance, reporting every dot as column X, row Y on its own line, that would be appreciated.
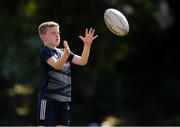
column 57, row 34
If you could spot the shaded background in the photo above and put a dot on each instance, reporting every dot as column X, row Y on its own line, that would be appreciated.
column 131, row 80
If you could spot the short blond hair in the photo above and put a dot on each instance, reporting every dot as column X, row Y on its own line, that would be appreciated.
column 43, row 27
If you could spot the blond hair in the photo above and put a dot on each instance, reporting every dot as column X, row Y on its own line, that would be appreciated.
column 43, row 27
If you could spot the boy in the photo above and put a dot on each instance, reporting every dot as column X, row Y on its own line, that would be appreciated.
column 55, row 94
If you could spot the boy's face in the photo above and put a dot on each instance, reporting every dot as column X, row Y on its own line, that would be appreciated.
column 52, row 36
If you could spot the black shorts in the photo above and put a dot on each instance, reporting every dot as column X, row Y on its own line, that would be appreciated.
column 53, row 113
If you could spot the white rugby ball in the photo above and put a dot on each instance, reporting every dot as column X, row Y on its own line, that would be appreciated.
column 116, row 22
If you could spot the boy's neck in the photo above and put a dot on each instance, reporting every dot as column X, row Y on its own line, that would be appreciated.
column 50, row 46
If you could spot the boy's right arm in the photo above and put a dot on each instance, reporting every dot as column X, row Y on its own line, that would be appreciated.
column 59, row 63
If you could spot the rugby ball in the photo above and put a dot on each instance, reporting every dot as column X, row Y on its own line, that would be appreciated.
column 116, row 22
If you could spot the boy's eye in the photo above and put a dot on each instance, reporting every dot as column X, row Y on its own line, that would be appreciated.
column 55, row 33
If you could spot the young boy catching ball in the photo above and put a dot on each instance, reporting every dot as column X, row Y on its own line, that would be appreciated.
column 55, row 94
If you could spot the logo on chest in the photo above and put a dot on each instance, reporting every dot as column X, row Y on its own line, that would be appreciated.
column 56, row 56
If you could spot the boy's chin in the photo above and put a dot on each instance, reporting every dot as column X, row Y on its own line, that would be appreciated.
column 57, row 44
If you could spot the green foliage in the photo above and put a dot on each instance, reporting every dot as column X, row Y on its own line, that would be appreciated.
column 132, row 78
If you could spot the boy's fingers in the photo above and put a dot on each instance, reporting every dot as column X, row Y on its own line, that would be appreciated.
column 66, row 44
column 81, row 37
column 92, row 33
column 95, row 37
column 86, row 32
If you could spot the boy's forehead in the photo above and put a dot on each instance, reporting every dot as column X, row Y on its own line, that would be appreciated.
column 54, row 28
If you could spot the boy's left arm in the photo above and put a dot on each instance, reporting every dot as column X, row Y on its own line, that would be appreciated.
column 87, row 40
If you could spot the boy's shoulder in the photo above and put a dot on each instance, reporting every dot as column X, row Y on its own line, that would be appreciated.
column 46, row 49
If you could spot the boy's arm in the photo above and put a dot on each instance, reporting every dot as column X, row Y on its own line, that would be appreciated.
column 87, row 40
column 58, row 64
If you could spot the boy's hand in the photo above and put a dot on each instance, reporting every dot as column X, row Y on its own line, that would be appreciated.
column 66, row 48
column 89, row 36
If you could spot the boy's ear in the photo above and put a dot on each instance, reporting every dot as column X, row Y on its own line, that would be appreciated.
column 42, row 36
